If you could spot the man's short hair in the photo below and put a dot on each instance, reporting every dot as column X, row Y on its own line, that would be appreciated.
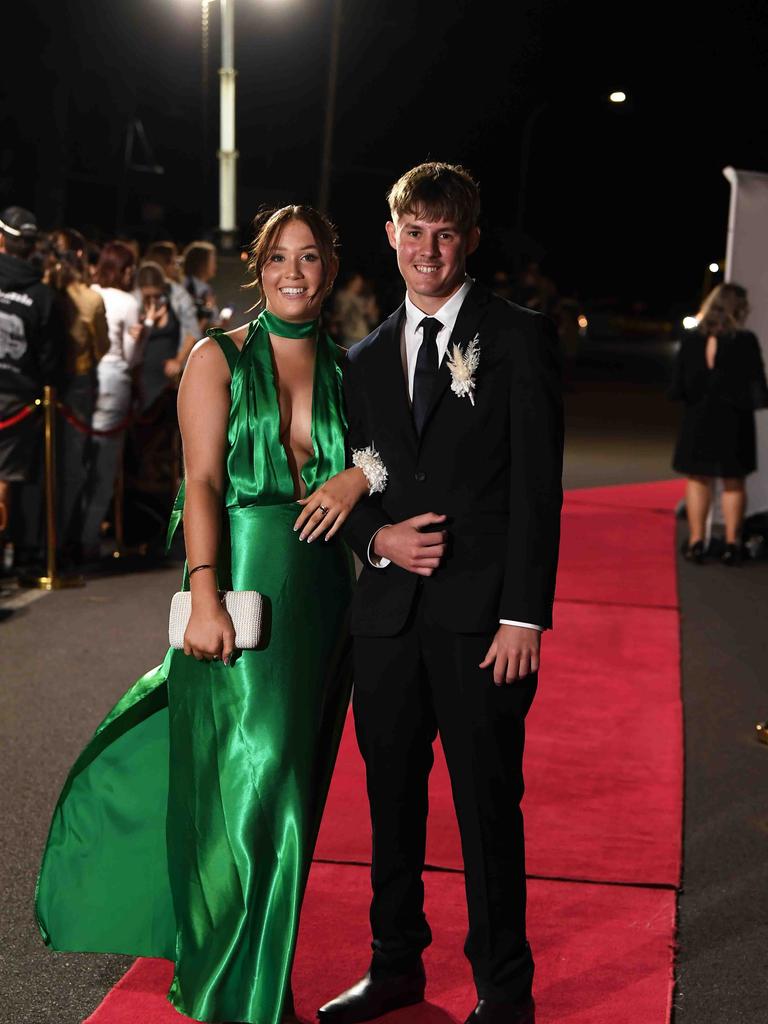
column 437, row 191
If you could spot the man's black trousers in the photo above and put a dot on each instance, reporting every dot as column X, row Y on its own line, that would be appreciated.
column 407, row 688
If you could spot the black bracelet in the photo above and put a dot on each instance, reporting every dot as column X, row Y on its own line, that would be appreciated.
column 203, row 566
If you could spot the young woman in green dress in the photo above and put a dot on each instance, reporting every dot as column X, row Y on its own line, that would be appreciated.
column 186, row 828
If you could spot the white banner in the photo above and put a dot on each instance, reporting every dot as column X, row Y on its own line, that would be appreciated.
column 747, row 264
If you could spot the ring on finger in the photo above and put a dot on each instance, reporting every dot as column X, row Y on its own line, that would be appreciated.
column 323, row 511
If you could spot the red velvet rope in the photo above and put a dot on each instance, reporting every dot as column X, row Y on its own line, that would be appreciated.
column 74, row 421
column 17, row 417
column 85, row 428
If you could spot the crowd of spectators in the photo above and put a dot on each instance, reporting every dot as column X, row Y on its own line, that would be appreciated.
column 110, row 328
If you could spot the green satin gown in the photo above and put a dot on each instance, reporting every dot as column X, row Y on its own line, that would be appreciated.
column 185, row 829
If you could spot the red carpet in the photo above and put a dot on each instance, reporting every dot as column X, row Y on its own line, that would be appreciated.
column 603, row 954
column 615, row 555
column 604, row 740
column 604, row 803
column 662, row 495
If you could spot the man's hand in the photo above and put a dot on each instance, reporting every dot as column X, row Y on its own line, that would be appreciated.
column 407, row 546
column 514, row 653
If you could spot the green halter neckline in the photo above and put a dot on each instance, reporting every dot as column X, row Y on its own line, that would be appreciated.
column 286, row 329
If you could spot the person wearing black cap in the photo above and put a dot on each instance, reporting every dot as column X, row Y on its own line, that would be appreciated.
column 31, row 345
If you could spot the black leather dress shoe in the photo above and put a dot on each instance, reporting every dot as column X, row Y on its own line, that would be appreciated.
column 522, row 1011
column 371, row 997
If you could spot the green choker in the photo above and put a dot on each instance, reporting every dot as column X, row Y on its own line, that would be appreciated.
column 285, row 329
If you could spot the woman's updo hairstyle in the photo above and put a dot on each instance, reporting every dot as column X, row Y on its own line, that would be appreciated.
column 269, row 223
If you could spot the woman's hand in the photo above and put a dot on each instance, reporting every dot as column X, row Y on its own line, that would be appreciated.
column 329, row 505
column 210, row 633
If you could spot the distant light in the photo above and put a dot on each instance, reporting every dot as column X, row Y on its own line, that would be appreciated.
column 618, row 97
column 689, row 322
column 226, row 313
column 714, row 267
column 583, row 322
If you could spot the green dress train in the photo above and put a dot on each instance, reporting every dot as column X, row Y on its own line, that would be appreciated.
column 185, row 829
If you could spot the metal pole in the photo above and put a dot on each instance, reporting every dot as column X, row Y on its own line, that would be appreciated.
column 49, row 403
column 205, row 36
column 118, row 503
column 121, row 549
column 330, row 110
column 51, row 580
column 227, row 152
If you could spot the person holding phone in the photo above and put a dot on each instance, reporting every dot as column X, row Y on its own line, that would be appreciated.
column 153, row 450
column 166, row 348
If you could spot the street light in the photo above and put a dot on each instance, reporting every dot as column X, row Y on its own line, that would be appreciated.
column 227, row 153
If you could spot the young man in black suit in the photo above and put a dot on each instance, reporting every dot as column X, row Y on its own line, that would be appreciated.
column 459, row 392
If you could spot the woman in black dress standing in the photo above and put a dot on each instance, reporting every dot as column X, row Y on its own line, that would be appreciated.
column 721, row 380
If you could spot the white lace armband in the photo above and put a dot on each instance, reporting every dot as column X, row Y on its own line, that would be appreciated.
column 369, row 460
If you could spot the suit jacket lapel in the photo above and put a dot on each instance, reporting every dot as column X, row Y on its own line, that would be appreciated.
column 394, row 384
column 466, row 327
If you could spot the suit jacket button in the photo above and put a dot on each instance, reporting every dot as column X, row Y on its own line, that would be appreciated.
column 420, row 476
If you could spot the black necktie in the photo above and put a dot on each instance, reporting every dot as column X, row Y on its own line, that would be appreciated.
column 427, row 365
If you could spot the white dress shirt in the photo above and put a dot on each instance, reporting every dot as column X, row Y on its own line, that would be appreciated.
column 411, row 342
column 413, row 333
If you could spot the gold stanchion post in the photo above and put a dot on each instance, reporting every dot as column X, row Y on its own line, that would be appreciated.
column 118, row 503
column 121, row 549
column 51, row 580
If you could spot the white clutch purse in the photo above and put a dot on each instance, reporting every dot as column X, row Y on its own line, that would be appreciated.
column 245, row 608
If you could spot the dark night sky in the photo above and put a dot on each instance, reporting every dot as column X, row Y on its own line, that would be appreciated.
column 621, row 201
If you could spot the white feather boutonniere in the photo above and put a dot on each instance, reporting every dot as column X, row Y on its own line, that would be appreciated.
column 463, row 364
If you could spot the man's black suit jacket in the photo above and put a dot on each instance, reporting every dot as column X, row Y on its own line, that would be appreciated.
column 494, row 468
